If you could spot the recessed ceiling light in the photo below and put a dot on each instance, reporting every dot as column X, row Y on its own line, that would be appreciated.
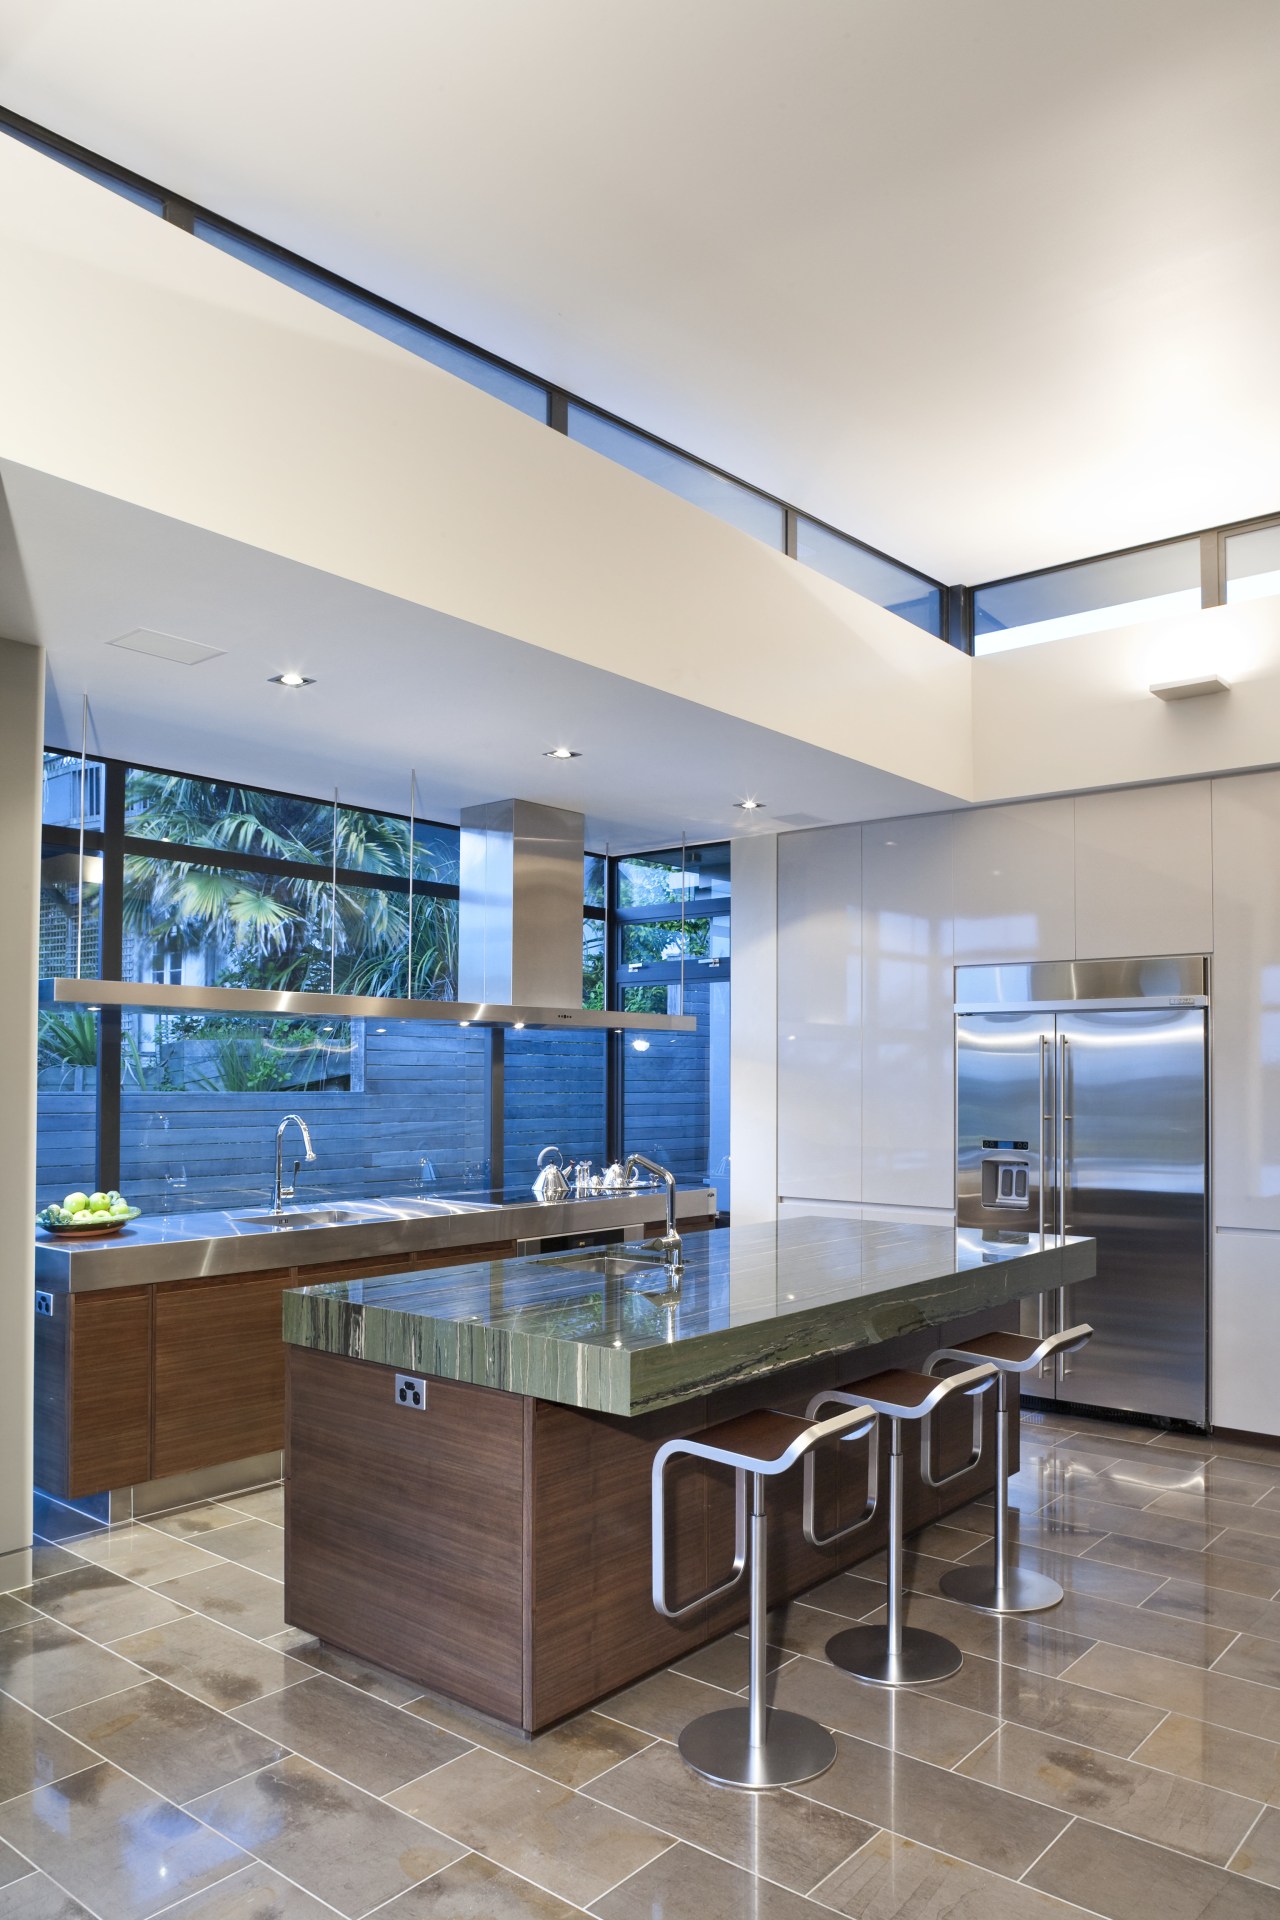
column 291, row 680
column 562, row 753
column 750, row 806
column 518, row 1026
column 641, row 1046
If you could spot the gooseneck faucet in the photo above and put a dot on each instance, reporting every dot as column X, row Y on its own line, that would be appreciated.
column 670, row 1243
column 283, row 1193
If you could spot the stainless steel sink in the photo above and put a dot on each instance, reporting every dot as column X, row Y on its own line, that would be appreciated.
column 305, row 1217
column 610, row 1264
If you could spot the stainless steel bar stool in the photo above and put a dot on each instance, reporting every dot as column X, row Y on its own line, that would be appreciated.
column 1002, row 1587
column 757, row 1745
column 896, row 1655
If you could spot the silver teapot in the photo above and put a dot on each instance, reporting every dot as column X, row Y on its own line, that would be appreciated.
column 550, row 1184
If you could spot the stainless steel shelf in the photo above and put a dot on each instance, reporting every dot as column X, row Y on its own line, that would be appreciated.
column 348, row 1006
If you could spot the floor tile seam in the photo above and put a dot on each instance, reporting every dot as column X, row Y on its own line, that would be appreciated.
column 1221, row 1726
column 168, row 1680
column 1088, row 1820
column 872, row 1837
column 652, row 1741
column 54, row 1881
column 1131, row 1833
column 474, row 1853
column 1222, row 1656
column 250, row 1860
column 404, row 1786
column 701, row 1846
column 1021, row 1880
column 808, row 1790
column 177, row 1807
column 922, row 1693
column 1168, row 1714
column 1171, row 1773
column 710, row 1685
column 1100, row 1639
column 1027, row 1799
column 986, row 1741
column 1245, row 1838
column 617, row 1883
column 215, row 1559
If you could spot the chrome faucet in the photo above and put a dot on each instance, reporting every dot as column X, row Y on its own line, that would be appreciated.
column 670, row 1243
column 283, row 1193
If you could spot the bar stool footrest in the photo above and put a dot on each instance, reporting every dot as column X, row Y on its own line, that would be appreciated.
column 864, row 1653
column 1022, row 1591
column 718, row 1746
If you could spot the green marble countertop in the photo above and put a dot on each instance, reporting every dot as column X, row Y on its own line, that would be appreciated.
column 607, row 1331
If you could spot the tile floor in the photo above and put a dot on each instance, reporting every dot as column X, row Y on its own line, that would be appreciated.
column 167, row 1745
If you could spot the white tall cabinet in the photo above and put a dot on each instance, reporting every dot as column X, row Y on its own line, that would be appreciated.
column 820, row 1014
column 908, row 1072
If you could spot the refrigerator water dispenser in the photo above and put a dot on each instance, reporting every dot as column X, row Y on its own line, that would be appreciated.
column 1004, row 1183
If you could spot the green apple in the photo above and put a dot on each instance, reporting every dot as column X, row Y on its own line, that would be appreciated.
column 82, row 1219
column 120, row 1207
column 74, row 1202
column 99, row 1202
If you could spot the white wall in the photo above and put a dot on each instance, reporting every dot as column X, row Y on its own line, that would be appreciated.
column 207, row 392
column 1075, row 714
column 21, row 735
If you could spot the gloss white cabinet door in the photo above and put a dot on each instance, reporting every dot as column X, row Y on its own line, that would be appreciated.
column 908, row 1023
column 820, row 1014
column 1144, row 871
column 1246, row 1001
column 1245, row 1331
column 753, row 1030
column 1015, row 882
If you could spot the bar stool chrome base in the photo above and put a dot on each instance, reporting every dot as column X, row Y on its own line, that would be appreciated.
column 867, row 1654
column 1020, row 1591
column 718, row 1746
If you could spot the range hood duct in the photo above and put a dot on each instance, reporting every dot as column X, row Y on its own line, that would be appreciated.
column 520, row 905
column 519, row 944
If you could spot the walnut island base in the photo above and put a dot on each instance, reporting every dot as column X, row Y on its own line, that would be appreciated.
column 494, row 1543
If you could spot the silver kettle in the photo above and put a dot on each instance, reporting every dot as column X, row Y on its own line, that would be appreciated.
column 550, row 1184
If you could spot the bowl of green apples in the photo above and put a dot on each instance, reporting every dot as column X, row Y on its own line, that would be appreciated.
column 89, row 1213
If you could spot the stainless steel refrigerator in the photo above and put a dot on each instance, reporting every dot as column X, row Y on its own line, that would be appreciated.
column 1081, row 1108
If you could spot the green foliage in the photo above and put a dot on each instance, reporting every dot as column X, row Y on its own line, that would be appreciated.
column 68, row 1039
column 279, row 931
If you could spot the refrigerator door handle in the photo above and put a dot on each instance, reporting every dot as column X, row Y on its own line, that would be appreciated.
column 1046, row 1120
column 1044, row 1117
column 1064, row 1119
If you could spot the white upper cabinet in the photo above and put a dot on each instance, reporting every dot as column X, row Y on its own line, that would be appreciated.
column 820, row 1014
column 1144, row 871
column 1015, row 882
column 908, row 1068
column 1246, row 1002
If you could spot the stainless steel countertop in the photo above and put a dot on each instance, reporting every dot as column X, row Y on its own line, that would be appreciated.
column 200, row 1246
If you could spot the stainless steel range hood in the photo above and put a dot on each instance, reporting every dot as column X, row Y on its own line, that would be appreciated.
column 519, row 944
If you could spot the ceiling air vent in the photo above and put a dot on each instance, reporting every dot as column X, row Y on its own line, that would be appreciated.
column 167, row 646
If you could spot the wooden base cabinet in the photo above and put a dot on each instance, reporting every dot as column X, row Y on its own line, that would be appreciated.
column 496, row 1548
column 139, row 1383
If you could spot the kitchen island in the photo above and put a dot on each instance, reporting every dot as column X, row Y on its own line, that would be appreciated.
column 482, row 1525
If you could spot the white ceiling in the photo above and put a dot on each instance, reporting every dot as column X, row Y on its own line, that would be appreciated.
column 990, row 283
column 396, row 686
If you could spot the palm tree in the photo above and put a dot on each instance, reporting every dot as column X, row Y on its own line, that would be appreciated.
column 279, row 930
